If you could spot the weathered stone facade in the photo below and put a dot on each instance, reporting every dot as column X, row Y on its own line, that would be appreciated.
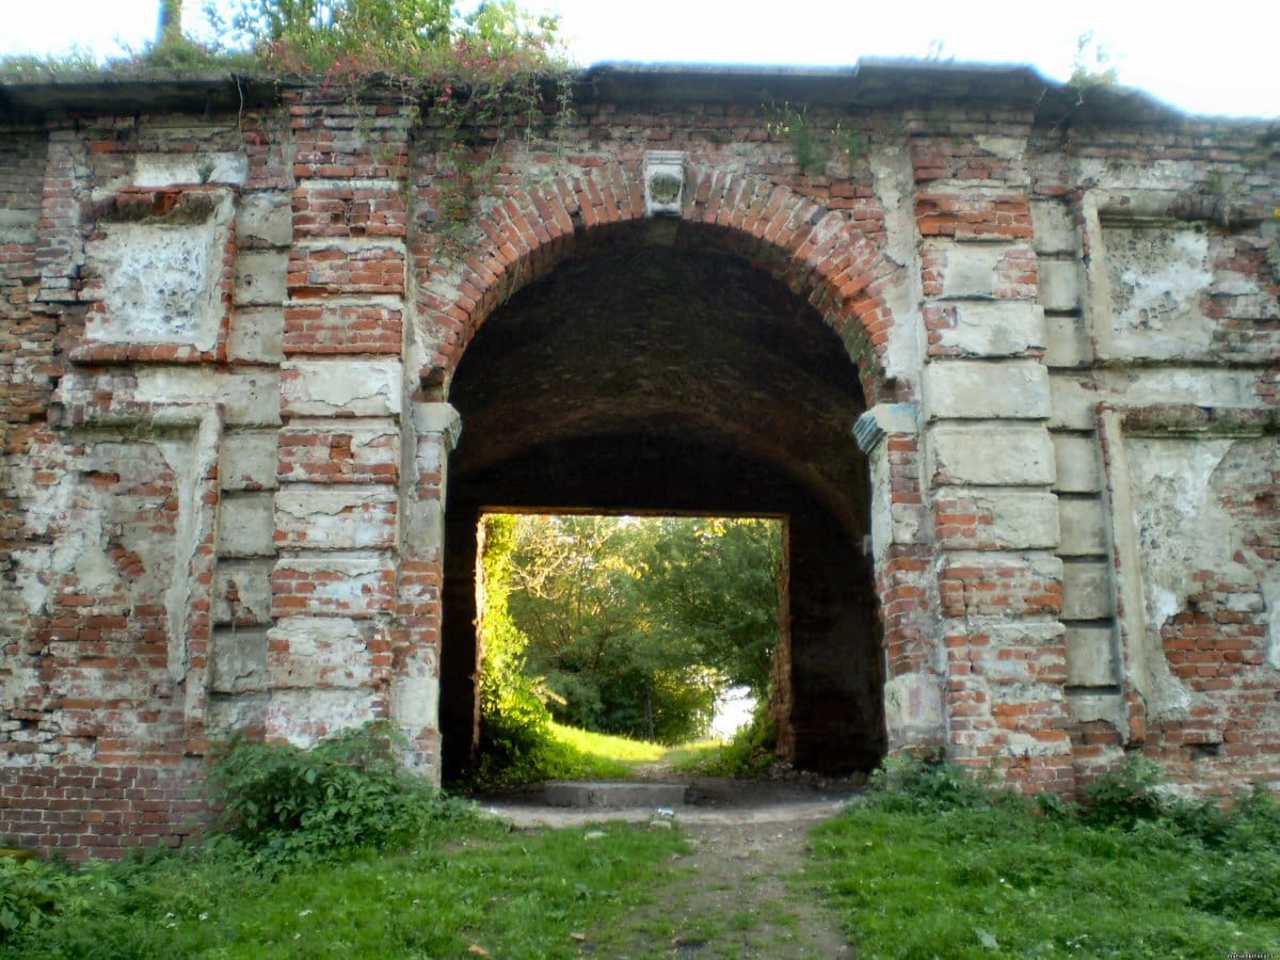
column 1011, row 371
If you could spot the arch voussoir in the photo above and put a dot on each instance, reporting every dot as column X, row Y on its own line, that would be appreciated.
column 828, row 257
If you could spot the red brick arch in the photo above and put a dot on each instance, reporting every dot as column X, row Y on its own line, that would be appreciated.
column 832, row 258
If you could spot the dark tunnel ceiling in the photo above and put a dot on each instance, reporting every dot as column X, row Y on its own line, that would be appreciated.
column 660, row 342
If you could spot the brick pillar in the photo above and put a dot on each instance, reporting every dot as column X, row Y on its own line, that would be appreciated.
column 989, row 460
column 914, row 720
column 431, row 433
column 335, row 514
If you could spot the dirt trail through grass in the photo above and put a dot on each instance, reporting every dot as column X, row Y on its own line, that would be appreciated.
column 736, row 893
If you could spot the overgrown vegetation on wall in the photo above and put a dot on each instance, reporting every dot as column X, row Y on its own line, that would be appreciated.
column 393, row 40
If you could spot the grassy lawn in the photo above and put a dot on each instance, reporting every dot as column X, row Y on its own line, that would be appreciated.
column 580, row 754
column 485, row 891
column 993, row 881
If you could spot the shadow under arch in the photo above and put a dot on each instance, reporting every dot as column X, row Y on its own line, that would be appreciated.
column 681, row 366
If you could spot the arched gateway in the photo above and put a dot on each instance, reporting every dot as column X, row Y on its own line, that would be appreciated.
column 256, row 398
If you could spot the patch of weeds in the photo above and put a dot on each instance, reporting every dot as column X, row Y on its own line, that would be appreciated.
column 813, row 143
column 928, row 864
column 284, row 805
column 510, row 894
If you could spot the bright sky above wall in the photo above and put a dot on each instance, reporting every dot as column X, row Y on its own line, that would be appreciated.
column 1217, row 59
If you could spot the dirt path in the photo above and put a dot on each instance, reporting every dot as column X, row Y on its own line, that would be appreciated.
column 737, row 893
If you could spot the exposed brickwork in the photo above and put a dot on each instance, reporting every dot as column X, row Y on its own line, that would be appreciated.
column 223, row 499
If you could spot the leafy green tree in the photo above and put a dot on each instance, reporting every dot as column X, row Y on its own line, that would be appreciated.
column 637, row 625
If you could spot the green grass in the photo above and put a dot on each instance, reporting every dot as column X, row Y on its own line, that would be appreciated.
column 569, row 753
column 1001, row 881
column 574, row 754
column 514, row 895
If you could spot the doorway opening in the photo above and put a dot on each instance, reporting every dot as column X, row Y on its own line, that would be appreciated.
column 655, row 629
column 675, row 381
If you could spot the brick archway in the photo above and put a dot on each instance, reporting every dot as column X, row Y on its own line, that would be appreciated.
column 831, row 258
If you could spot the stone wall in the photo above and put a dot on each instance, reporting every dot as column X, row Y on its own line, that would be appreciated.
column 231, row 330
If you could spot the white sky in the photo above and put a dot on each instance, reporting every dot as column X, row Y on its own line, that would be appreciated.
column 1216, row 58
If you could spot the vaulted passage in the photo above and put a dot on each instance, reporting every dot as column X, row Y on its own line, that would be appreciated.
column 673, row 378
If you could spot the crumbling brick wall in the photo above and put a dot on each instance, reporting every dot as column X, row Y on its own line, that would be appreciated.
column 230, row 330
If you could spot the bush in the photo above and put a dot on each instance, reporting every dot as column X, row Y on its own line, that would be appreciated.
column 286, row 805
column 30, row 892
column 912, row 784
column 1125, row 796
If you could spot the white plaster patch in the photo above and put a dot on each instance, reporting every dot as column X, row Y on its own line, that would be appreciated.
column 173, row 169
column 161, row 281
column 336, row 519
column 1271, row 595
column 247, row 397
column 913, row 708
column 304, row 717
column 1181, row 529
column 895, row 188
column 1157, row 278
column 305, row 652
column 325, row 388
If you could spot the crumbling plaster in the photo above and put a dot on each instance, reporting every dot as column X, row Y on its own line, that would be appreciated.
column 235, row 315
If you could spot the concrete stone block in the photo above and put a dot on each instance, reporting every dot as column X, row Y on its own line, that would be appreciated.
column 248, row 397
column 1054, row 225
column 1091, row 660
column 245, row 525
column 336, row 517
column 340, row 451
column 996, row 519
column 247, row 460
column 160, row 282
column 242, row 591
column 308, row 652
column 983, row 456
column 997, row 329
column 188, row 169
column 1069, row 344
column 974, row 389
column 304, row 717
column 257, row 336
column 1079, row 460
column 239, row 662
column 1086, row 590
column 236, row 712
column 1075, row 400
column 260, row 277
column 333, row 586
column 264, row 219
column 969, row 270
column 1083, row 523
column 337, row 388
column 1060, row 284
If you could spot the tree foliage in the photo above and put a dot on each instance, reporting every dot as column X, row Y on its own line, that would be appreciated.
column 398, row 38
column 635, row 625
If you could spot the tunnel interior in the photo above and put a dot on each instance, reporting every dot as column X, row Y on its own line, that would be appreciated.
column 676, row 378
